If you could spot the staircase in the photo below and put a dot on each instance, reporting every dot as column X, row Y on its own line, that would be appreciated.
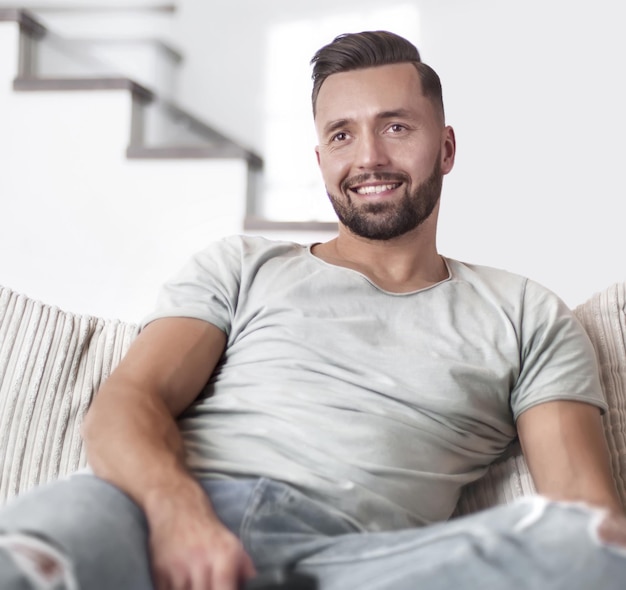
column 106, row 186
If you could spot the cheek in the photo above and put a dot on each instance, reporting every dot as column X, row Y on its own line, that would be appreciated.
column 333, row 168
column 419, row 168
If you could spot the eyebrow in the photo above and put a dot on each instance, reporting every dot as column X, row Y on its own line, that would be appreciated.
column 334, row 125
column 383, row 115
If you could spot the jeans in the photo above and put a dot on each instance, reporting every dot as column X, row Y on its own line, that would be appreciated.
column 530, row 544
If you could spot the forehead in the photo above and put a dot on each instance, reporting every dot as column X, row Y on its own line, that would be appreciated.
column 390, row 87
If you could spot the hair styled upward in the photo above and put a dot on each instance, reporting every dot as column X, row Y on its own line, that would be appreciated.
column 355, row 51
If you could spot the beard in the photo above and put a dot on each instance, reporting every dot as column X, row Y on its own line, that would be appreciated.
column 387, row 220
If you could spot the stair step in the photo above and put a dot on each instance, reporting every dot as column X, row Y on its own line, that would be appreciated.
column 34, row 84
column 213, row 143
column 162, row 125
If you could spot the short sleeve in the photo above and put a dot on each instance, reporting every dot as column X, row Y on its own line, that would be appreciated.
column 206, row 288
column 557, row 358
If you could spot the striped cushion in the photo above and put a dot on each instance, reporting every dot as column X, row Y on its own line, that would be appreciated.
column 51, row 363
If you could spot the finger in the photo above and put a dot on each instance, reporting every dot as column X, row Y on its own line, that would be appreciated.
column 201, row 578
column 172, row 578
column 225, row 577
column 160, row 580
column 247, row 567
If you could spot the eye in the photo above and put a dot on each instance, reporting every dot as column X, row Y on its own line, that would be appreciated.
column 341, row 136
column 396, row 128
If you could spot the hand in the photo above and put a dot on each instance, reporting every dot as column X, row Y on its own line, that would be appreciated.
column 192, row 550
column 199, row 558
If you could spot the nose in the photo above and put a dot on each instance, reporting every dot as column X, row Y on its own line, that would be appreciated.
column 371, row 152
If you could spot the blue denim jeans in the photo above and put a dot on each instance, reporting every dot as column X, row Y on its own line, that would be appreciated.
column 530, row 544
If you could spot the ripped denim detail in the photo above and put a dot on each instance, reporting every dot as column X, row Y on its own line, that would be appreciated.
column 42, row 565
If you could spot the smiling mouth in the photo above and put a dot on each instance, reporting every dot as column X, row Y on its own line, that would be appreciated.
column 375, row 189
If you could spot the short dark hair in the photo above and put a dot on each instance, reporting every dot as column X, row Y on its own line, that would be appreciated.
column 355, row 51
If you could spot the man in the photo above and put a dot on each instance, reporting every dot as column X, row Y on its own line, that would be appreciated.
column 332, row 400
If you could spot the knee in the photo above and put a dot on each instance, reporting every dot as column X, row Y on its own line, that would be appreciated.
column 605, row 528
column 611, row 530
column 38, row 562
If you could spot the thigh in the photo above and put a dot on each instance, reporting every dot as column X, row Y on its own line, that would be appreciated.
column 100, row 530
column 528, row 545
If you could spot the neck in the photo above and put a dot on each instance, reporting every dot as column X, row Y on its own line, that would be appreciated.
column 403, row 264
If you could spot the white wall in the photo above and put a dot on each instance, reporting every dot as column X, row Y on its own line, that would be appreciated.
column 533, row 89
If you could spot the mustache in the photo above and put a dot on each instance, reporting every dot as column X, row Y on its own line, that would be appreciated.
column 390, row 177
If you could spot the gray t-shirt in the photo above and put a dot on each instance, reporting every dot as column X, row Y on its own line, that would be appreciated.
column 380, row 405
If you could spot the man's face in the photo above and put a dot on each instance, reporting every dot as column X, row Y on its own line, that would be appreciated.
column 383, row 150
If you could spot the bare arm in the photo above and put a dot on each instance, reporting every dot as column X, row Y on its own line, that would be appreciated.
column 566, row 452
column 133, row 441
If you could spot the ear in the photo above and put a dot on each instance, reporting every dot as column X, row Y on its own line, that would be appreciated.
column 317, row 154
column 448, row 149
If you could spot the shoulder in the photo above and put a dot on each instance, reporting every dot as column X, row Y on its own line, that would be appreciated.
column 495, row 286
column 208, row 286
column 498, row 282
column 529, row 306
column 467, row 271
column 237, row 254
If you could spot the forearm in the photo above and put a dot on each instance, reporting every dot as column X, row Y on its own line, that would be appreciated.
column 583, row 479
column 593, row 488
column 133, row 441
column 566, row 451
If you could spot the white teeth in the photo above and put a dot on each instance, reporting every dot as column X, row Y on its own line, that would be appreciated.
column 375, row 189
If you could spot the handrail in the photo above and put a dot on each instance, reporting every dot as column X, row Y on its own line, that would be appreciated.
column 25, row 19
column 188, row 135
column 79, row 6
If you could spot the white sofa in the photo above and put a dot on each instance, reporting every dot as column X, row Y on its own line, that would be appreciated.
column 52, row 363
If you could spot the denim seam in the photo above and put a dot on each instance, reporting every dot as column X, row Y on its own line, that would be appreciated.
column 254, row 501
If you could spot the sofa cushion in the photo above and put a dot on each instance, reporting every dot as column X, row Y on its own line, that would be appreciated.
column 51, row 363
